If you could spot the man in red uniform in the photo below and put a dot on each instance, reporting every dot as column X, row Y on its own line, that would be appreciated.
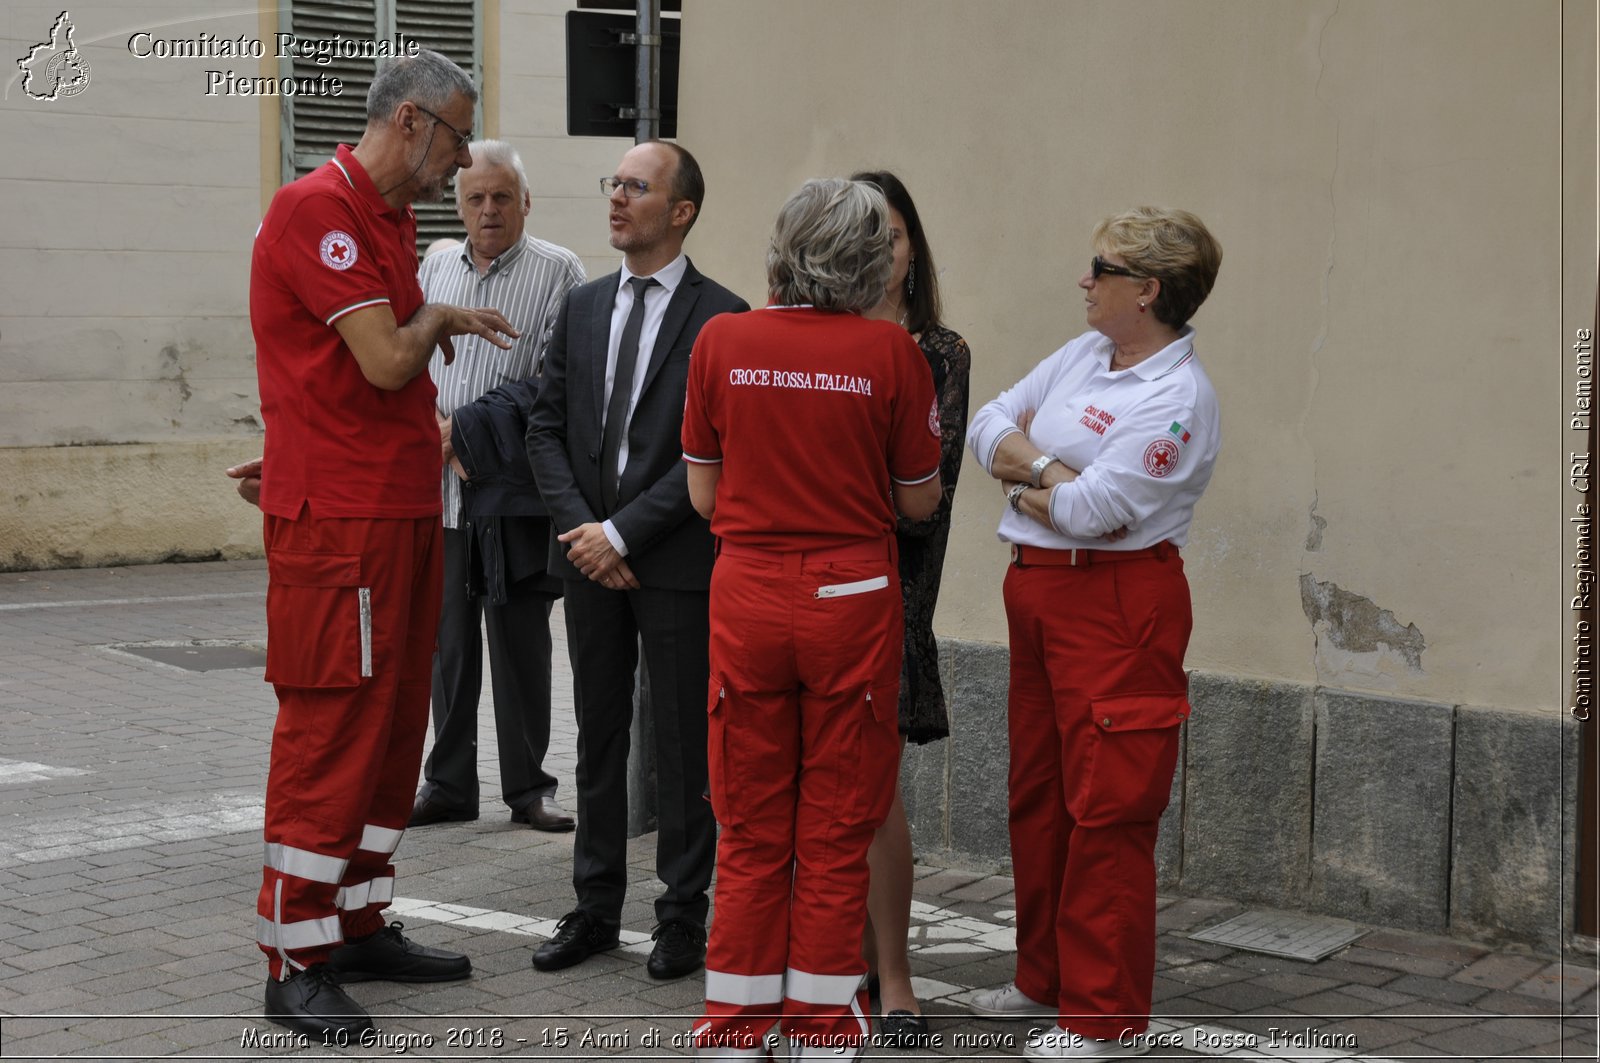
column 349, row 489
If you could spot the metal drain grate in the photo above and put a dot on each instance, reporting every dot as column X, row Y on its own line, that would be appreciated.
column 1296, row 937
column 208, row 656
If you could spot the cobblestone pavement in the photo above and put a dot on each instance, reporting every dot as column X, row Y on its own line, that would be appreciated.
column 130, row 814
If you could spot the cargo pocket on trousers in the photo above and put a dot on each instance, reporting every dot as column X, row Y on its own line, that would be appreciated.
column 1128, row 778
column 321, row 618
column 720, row 767
column 877, row 772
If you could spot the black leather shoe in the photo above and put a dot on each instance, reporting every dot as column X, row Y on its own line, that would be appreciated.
column 680, row 949
column 426, row 812
column 390, row 956
column 544, row 814
column 311, row 1002
column 578, row 936
column 904, row 1029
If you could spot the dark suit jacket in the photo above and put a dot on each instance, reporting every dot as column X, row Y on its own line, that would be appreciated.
column 669, row 545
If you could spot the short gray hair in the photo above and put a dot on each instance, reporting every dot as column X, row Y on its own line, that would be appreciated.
column 832, row 247
column 495, row 153
column 427, row 79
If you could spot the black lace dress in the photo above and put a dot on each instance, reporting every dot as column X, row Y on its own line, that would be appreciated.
column 923, row 714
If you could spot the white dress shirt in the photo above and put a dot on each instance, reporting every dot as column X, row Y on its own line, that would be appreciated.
column 656, row 298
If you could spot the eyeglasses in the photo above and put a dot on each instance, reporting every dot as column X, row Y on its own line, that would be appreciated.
column 1099, row 266
column 462, row 139
column 631, row 188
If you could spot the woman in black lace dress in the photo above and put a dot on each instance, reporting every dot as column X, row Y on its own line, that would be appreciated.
column 912, row 299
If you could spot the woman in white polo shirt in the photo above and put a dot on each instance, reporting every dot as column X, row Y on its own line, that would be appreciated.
column 1103, row 451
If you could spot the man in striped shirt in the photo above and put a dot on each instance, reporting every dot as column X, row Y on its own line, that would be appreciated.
column 526, row 279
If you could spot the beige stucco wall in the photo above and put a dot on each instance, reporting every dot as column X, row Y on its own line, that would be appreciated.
column 127, row 379
column 1580, row 192
column 564, row 171
column 1385, row 178
column 125, row 354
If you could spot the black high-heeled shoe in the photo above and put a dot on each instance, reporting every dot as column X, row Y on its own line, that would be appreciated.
column 904, row 1030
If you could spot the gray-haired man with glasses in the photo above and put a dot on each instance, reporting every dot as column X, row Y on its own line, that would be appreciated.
column 349, row 491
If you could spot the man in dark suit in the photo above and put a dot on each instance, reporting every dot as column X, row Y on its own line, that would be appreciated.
column 635, row 559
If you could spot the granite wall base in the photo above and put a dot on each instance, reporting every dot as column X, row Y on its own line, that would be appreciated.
column 1443, row 818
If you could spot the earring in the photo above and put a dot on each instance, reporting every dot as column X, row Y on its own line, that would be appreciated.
column 911, row 279
column 1141, row 308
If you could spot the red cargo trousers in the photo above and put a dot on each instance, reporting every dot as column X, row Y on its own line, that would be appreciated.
column 804, row 753
column 352, row 611
column 1098, row 692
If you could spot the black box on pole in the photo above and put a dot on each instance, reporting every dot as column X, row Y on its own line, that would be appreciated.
column 600, row 75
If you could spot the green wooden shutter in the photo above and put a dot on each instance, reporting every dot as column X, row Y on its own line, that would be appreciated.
column 313, row 126
column 450, row 27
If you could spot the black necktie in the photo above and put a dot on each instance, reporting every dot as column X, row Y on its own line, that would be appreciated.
column 621, row 391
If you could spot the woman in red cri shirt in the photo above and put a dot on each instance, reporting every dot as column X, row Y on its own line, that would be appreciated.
column 806, row 428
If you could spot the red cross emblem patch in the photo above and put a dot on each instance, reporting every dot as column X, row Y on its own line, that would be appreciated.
column 1161, row 457
column 338, row 250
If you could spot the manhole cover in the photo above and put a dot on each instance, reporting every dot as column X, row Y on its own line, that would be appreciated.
column 1297, row 937
column 199, row 656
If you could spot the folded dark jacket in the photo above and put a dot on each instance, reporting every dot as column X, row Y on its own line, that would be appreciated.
column 489, row 436
column 507, row 523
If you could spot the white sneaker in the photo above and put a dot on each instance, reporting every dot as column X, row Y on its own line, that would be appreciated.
column 1009, row 1002
column 1061, row 1043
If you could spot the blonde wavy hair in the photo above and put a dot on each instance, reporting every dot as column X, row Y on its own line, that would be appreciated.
column 832, row 247
column 1173, row 246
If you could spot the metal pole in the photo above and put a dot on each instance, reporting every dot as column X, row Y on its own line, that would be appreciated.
column 642, row 804
column 647, row 71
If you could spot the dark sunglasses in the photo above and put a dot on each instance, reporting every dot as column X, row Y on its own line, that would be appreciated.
column 1099, row 266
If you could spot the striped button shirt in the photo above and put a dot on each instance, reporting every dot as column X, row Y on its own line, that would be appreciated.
column 527, row 284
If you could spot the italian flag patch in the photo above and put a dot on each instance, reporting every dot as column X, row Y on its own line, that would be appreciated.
column 1181, row 432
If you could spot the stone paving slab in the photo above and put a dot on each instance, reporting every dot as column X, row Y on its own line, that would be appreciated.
column 130, row 814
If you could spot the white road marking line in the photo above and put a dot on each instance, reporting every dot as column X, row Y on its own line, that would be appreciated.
column 488, row 919
column 13, row 772
column 132, row 825
column 11, row 607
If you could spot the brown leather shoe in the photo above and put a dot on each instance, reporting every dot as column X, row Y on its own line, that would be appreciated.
column 544, row 814
column 427, row 812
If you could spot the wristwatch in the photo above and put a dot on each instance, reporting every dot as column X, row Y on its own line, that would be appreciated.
column 1040, row 464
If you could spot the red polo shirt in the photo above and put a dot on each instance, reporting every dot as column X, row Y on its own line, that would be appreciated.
column 811, row 415
column 330, row 245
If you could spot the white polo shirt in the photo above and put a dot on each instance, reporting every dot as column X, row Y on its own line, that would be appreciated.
column 1144, row 441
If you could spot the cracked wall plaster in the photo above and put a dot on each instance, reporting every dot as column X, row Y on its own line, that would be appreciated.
column 1314, row 536
column 1356, row 625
